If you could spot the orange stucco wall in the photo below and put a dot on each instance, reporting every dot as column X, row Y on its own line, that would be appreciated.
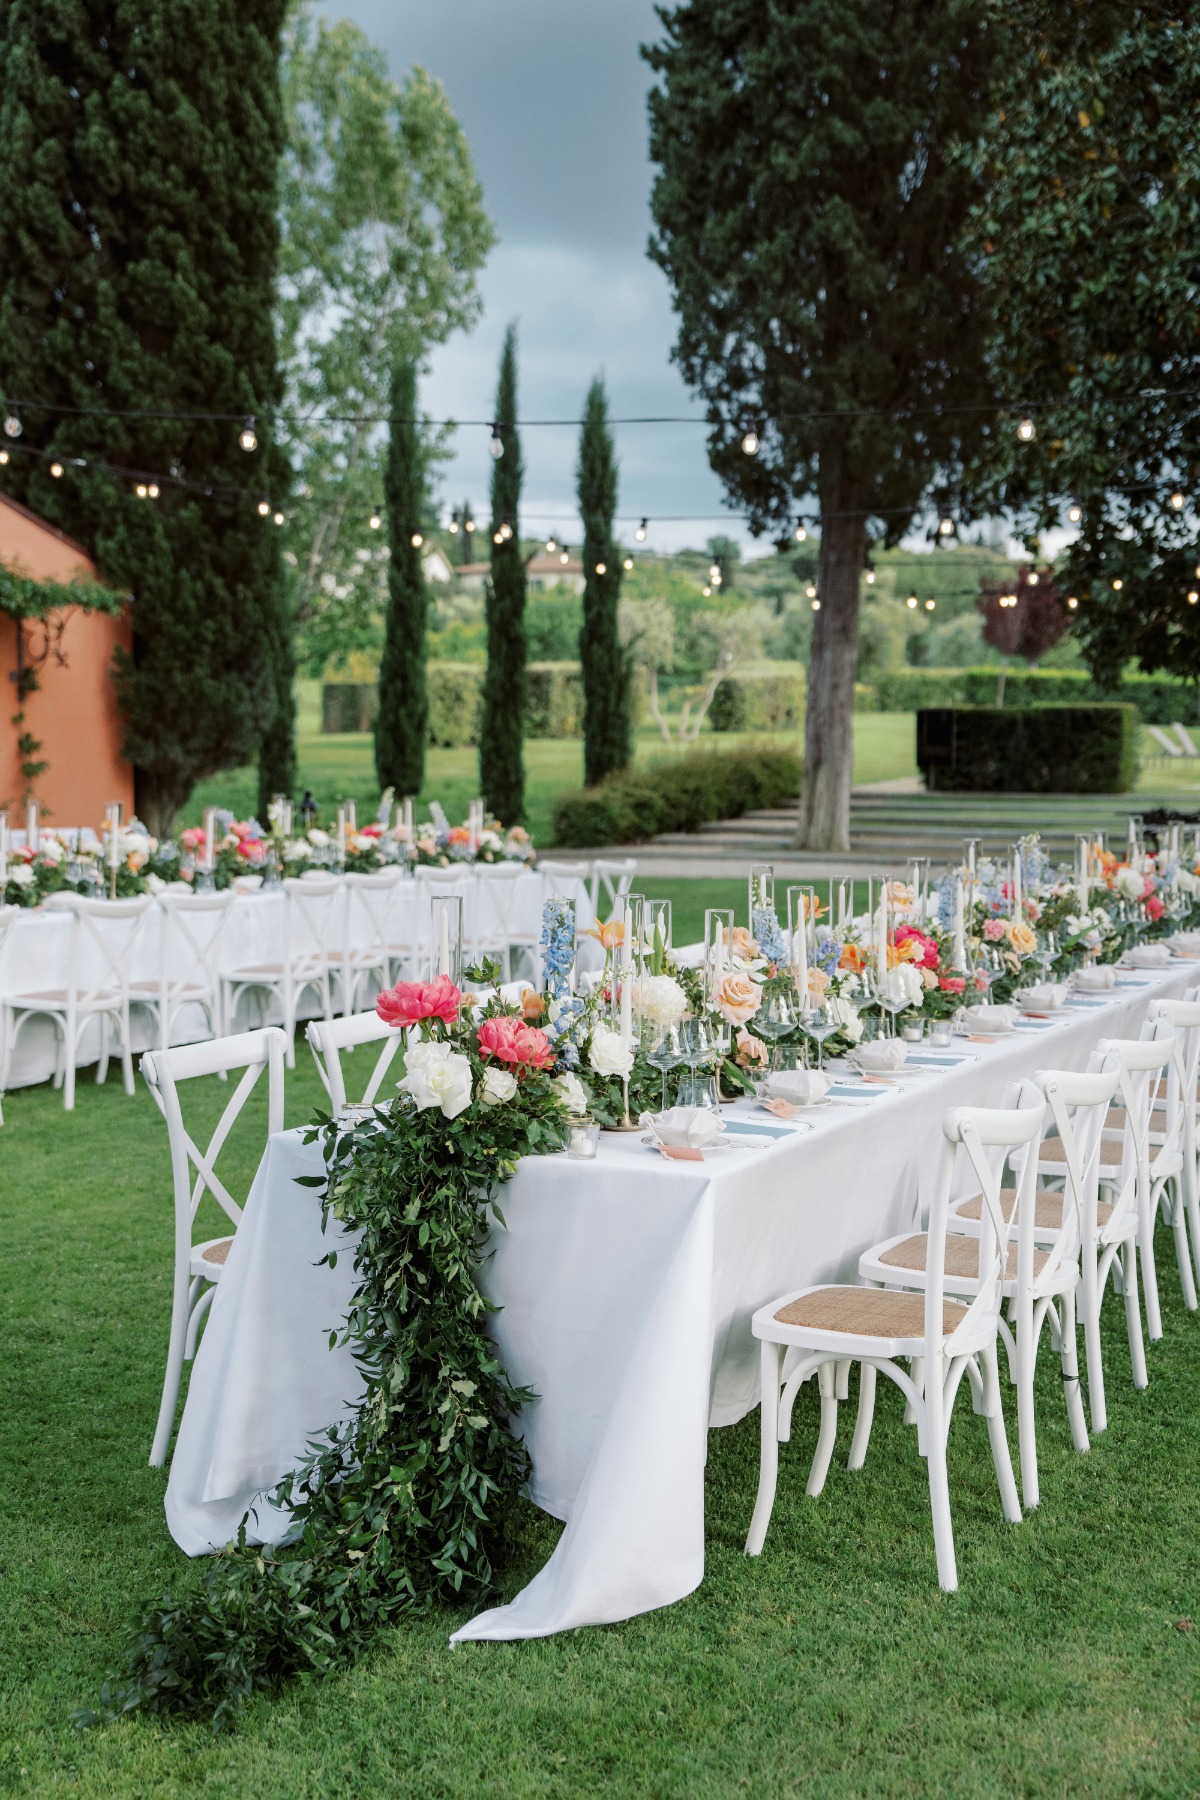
column 74, row 714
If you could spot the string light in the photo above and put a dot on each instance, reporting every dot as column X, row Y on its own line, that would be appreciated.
column 453, row 526
column 1072, row 602
column 800, row 534
column 247, row 438
column 627, row 564
column 640, row 533
column 810, row 590
column 1193, row 597
column 417, row 540
column 602, row 568
column 1027, row 430
column 56, row 470
column 911, row 603
column 376, row 519
column 1176, row 501
column 497, row 444
column 152, row 490
column 497, row 537
column 870, row 578
column 3, row 456
column 279, row 518
column 1118, row 584
column 946, row 527
column 1075, row 512
column 264, row 507
column 141, row 490
column 750, row 440
column 1032, row 577
column 564, row 556
column 816, row 605
column 506, row 532
column 551, row 546
column 12, row 424
column 468, row 524
column 706, row 591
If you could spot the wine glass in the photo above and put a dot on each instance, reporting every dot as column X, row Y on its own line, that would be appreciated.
column 665, row 1052
column 819, row 1023
column 775, row 1018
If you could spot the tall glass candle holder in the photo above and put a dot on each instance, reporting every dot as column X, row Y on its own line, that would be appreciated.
column 446, row 937
column 718, row 946
column 761, row 892
column 801, row 936
column 657, row 932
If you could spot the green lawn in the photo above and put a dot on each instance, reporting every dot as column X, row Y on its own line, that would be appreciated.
column 831, row 1667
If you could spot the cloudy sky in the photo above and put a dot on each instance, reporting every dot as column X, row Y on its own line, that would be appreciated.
column 551, row 94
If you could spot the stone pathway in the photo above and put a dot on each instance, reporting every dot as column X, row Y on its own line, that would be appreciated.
column 890, row 822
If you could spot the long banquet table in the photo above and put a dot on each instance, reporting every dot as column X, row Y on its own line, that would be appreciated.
column 37, row 955
column 627, row 1287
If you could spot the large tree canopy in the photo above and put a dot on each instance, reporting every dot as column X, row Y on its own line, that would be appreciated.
column 138, row 251
column 384, row 233
column 1087, row 234
column 809, row 207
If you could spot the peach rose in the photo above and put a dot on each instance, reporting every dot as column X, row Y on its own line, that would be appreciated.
column 533, row 1006
column 818, row 981
column 737, row 998
column 1022, row 939
column 743, row 946
column 750, row 1050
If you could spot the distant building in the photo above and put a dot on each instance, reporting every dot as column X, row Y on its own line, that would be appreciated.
column 73, row 715
column 437, row 567
column 541, row 572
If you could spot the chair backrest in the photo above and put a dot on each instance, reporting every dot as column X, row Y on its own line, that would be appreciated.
column 980, row 1132
column 190, row 943
column 458, row 879
column 193, row 1169
column 610, row 882
column 1143, row 1061
column 1076, row 1108
column 1185, row 739
column 1166, row 744
column 104, row 935
column 327, row 1038
column 1180, row 1020
column 368, row 917
column 499, row 899
column 309, row 916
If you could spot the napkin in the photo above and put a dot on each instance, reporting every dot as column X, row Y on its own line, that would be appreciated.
column 247, row 884
column 689, row 1126
column 1043, row 996
column 883, row 1055
column 1097, row 980
column 990, row 1018
column 1148, row 956
column 800, row 1086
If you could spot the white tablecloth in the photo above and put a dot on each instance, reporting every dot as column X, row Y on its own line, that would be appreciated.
column 627, row 1287
column 36, row 955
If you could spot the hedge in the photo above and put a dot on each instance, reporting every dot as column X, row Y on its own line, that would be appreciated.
column 1159, row 699
column 553, row 702
column 1028, row 749
column 758, row 702
column 675, row 796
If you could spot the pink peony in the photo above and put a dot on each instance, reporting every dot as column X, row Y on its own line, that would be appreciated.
column 409, row 1002
column 952, row 984
column 512, row 1041
column 993, row 930
column 192, row 838
column 1154, row 907
column 252, row 849
column 371, row 831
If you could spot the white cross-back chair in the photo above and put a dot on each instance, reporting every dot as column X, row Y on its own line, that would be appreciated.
column 1166, row 744
column 609, row 883
column 191, row 930
column 328, row 1038
column 365, row 951
column 944, row 1337
column 502, row 890
column 1182, row 1200
column 198, row 1266
column 460, row 879
column 8, row 918
column 1042, row 1270
column 309, row 919
column 104, row 935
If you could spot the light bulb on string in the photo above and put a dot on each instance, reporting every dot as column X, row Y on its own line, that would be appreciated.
column 706, row 591
column 627, row 564
column 376, row 518
column 750, row 440
column 551, row 546
column 56, row 470
column 468, row 524
column 602, row 568
column 911, row 603
column 640, row 533
column 870, row 578
column 946, row 526
column 564, row 556
column 141, row 490
column 929, row 605
column 279, row 518
column 247, row 438
column 810, row 590
column 800, row 534
column 506, row 531
column 1176, row 502
column 1072, row 602
column 152, row 490
column 417, row 540
column 3, row 457
column 497, row 538
column 452, row 528
column 264, row 507
column 12, row 423
column 1193, row 597
column 1075, row 512
column 1027, row 430
column 497, row 444
column 816, row 605
column 1118, row 584
column 1032, row 578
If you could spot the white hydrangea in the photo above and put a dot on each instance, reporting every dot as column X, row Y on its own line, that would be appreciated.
column 660, row 1000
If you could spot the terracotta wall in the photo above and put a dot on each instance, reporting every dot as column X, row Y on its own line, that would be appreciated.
column 74, row 713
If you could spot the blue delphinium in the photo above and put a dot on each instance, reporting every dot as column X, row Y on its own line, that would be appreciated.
column 828, row 951
column 945, row 909
column 767, row 935
column 558, row 945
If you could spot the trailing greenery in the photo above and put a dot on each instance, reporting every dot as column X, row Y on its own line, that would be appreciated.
column 21, row 597
column 501, row 763
column 607, row 724
column 402, row 720
column 1159, row 699
column 1028, row 749
column 138, row 263
column 675, row 796
column 408, row 1503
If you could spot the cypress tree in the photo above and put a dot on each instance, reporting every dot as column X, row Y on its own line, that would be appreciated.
column 138, row 253
column 501, row 759
column 606, row 726
column 402, row 725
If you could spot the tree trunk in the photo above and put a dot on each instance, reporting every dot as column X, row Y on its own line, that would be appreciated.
column 829, row 716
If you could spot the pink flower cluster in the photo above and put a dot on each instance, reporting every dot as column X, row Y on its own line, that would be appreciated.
column 952, row 984
column 512, row 1041
column 411, row 1002
column 923, row 952
column 993, row 930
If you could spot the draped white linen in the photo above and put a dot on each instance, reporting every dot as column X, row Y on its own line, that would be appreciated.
column 627, row 1287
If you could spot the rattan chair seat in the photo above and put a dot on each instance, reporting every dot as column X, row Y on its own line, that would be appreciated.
column 217, row 1252
column 962, row 1256
column 866, row 1312
column 1047, row 1214
column 1112, row 1151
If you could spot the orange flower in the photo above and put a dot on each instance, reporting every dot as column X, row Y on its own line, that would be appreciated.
column 902, row 952
column 818, row 981
column 852, row 958
column 533, row 1005
column 812, row 907
column 611, row 934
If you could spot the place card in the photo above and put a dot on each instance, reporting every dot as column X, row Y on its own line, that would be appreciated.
column 681, row 1153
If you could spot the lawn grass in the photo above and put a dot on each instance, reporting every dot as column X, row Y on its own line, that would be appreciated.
column 832, row 1666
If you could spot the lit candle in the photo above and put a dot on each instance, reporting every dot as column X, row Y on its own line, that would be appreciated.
column 341, row 834
column 842, row 904
column 1081, row 892
column 352, row 815
column 1132, row 843
column 1016, row 882
column 408, row 819
column 444, row 946
column 719, row 954
column 881, row 934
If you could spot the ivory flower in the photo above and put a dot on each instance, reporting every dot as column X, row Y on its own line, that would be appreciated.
column 1130, row 884
column 609, row 1053
column 571, row 1092
column 737, row 998
column 497, row 1086
column 903, row 984
column 661, row 1000
column 1022, row 939
column 435, row 1074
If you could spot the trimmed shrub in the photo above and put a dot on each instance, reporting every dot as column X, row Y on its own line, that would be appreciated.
column 348, row 706
column 758, row 702
column 1028, row 749
column 1159, row 699
column 679, row 795
column 455, row 702
column 553, row 702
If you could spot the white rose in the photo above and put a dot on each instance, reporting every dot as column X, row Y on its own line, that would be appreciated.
column 847, row 1017
column 437, row 1075
column 21, row 874
column 51, row 851
column 295, row 850
column 609, row 1053
column 155, row 884
column 1129, row 884
column 904, row 984
column 318, row 839
column 571, row 1092
column 497, row 1087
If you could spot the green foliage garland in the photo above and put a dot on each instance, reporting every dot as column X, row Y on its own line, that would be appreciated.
column 21, row 597
column 407, row 1505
